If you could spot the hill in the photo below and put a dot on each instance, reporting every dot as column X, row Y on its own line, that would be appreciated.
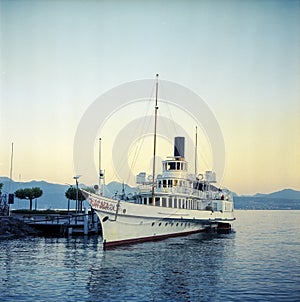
column 287, row 199
column 283, row 194
column 54, row 194
column 265, row 203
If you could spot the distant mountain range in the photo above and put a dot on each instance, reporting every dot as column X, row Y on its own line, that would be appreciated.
column 287, row 199
column 285, row 194
column 54, row 196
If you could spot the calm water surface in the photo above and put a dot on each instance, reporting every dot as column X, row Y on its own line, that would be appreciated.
column 259, row 262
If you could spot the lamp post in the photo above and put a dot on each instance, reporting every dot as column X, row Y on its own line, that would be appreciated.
column 76, row 180
column 70, row 186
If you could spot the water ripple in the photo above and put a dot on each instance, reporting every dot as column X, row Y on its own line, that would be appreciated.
column 258, row 262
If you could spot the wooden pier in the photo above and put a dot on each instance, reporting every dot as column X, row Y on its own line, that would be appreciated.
column 86, row 223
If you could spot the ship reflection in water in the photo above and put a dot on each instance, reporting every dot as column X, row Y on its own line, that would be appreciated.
column 256, row 263
column 182, row 269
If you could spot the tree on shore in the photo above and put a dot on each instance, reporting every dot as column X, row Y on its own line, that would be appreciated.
column 29, row 194
column 71, row 194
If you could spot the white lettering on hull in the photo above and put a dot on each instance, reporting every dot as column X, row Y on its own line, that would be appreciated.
column 103, row 205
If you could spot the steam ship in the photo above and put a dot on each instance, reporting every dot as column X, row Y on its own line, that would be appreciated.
column 173, row 203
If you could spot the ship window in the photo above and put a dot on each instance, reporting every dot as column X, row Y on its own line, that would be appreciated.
column 164, row 202
column 178, row 166
column 157, row 201
column 170, row 202
column 175, row 202
column 175, row 182
column 145, row 200
column 170, row 183
column 159, row 183
column 182, row 204
column 164, row 183
column 171, row 166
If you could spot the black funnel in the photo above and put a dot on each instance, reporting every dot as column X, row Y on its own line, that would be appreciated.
column 179, row 146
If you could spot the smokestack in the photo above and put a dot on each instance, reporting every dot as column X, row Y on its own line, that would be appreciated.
column 179, row 146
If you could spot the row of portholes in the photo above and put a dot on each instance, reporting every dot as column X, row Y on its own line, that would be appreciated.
column 172, row 224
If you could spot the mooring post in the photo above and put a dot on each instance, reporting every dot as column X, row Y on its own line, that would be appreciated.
column 86, row 221
column 95, row 221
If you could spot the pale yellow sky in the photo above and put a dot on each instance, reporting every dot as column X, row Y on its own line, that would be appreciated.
column 241, row 57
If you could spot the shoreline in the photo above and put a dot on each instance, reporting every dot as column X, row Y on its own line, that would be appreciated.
column 11, row 228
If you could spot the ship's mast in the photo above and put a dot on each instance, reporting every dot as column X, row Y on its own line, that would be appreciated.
column 154, row 147
column 101, row 173
column 11, row 167
column 196, row 147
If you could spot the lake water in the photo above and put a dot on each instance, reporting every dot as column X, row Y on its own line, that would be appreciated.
column 260, row 261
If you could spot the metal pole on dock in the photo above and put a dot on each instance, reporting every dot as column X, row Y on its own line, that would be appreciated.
column 86, row 221
column 77, row 203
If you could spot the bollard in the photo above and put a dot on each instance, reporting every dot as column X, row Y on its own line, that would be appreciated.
column 95, row 222
column 86, row 221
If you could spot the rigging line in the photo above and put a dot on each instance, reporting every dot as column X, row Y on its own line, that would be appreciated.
column 143, row 129
column 203, row 158
column 154, row 149
column 168, row 111
column 125, row 158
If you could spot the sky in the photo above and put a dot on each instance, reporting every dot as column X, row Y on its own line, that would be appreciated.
column 241, row 57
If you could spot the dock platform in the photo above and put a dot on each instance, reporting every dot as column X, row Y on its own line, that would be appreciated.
column 62, row 225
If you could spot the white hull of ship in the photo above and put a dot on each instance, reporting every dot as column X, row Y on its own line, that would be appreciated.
column 125, row 222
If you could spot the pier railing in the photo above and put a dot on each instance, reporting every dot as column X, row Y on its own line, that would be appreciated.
column 58, row 224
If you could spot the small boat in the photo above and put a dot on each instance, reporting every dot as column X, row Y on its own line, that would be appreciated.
column 173, row 203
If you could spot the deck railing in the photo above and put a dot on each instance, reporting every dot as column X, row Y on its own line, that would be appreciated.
column 146, row 188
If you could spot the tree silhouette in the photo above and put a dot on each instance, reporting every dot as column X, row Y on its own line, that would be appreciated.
column 71, row 194
column 29, row 194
